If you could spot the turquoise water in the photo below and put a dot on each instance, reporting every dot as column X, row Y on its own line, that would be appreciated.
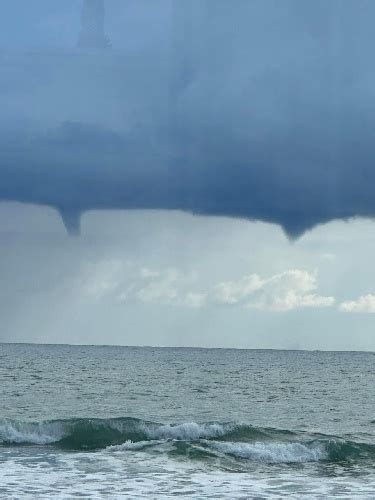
column 207, row 423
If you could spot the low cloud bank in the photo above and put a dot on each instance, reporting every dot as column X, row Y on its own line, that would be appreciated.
column 126, row 283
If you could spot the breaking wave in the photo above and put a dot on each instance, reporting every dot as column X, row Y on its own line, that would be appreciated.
column 242, row 442
column 275, row 452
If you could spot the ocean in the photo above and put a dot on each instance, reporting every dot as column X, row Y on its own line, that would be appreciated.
column 132, row 422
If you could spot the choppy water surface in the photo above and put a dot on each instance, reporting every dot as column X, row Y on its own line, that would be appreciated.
column 136, row 422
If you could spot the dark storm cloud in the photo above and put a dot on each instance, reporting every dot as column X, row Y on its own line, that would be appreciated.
column 256, row 109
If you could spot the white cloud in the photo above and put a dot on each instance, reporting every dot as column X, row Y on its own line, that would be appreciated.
column 158, row 287
column 234, row 292
column 364, row 304
column 126, row 282
column 101, row 279
column 196, row 300
column 282, row 292
column 168, row 287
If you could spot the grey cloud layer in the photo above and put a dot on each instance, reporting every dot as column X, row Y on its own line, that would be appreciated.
column 254, row 109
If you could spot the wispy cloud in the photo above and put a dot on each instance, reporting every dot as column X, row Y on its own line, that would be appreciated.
column 126, row 282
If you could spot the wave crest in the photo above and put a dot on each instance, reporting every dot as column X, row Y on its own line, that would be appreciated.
column 100, row 433
column 275, row 452
column 188, row 431
column 264, row 445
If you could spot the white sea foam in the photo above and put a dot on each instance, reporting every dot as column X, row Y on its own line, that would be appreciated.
column 129, row 475
column 272, row 452
column 188, row 431
column 132, row 446
column 30, row 433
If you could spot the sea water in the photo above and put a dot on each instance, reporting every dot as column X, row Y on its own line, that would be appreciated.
column 207, row 423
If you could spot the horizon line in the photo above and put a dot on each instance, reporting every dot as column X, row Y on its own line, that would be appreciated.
column 189, row 347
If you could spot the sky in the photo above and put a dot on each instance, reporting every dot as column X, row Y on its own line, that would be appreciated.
column 190, row 174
